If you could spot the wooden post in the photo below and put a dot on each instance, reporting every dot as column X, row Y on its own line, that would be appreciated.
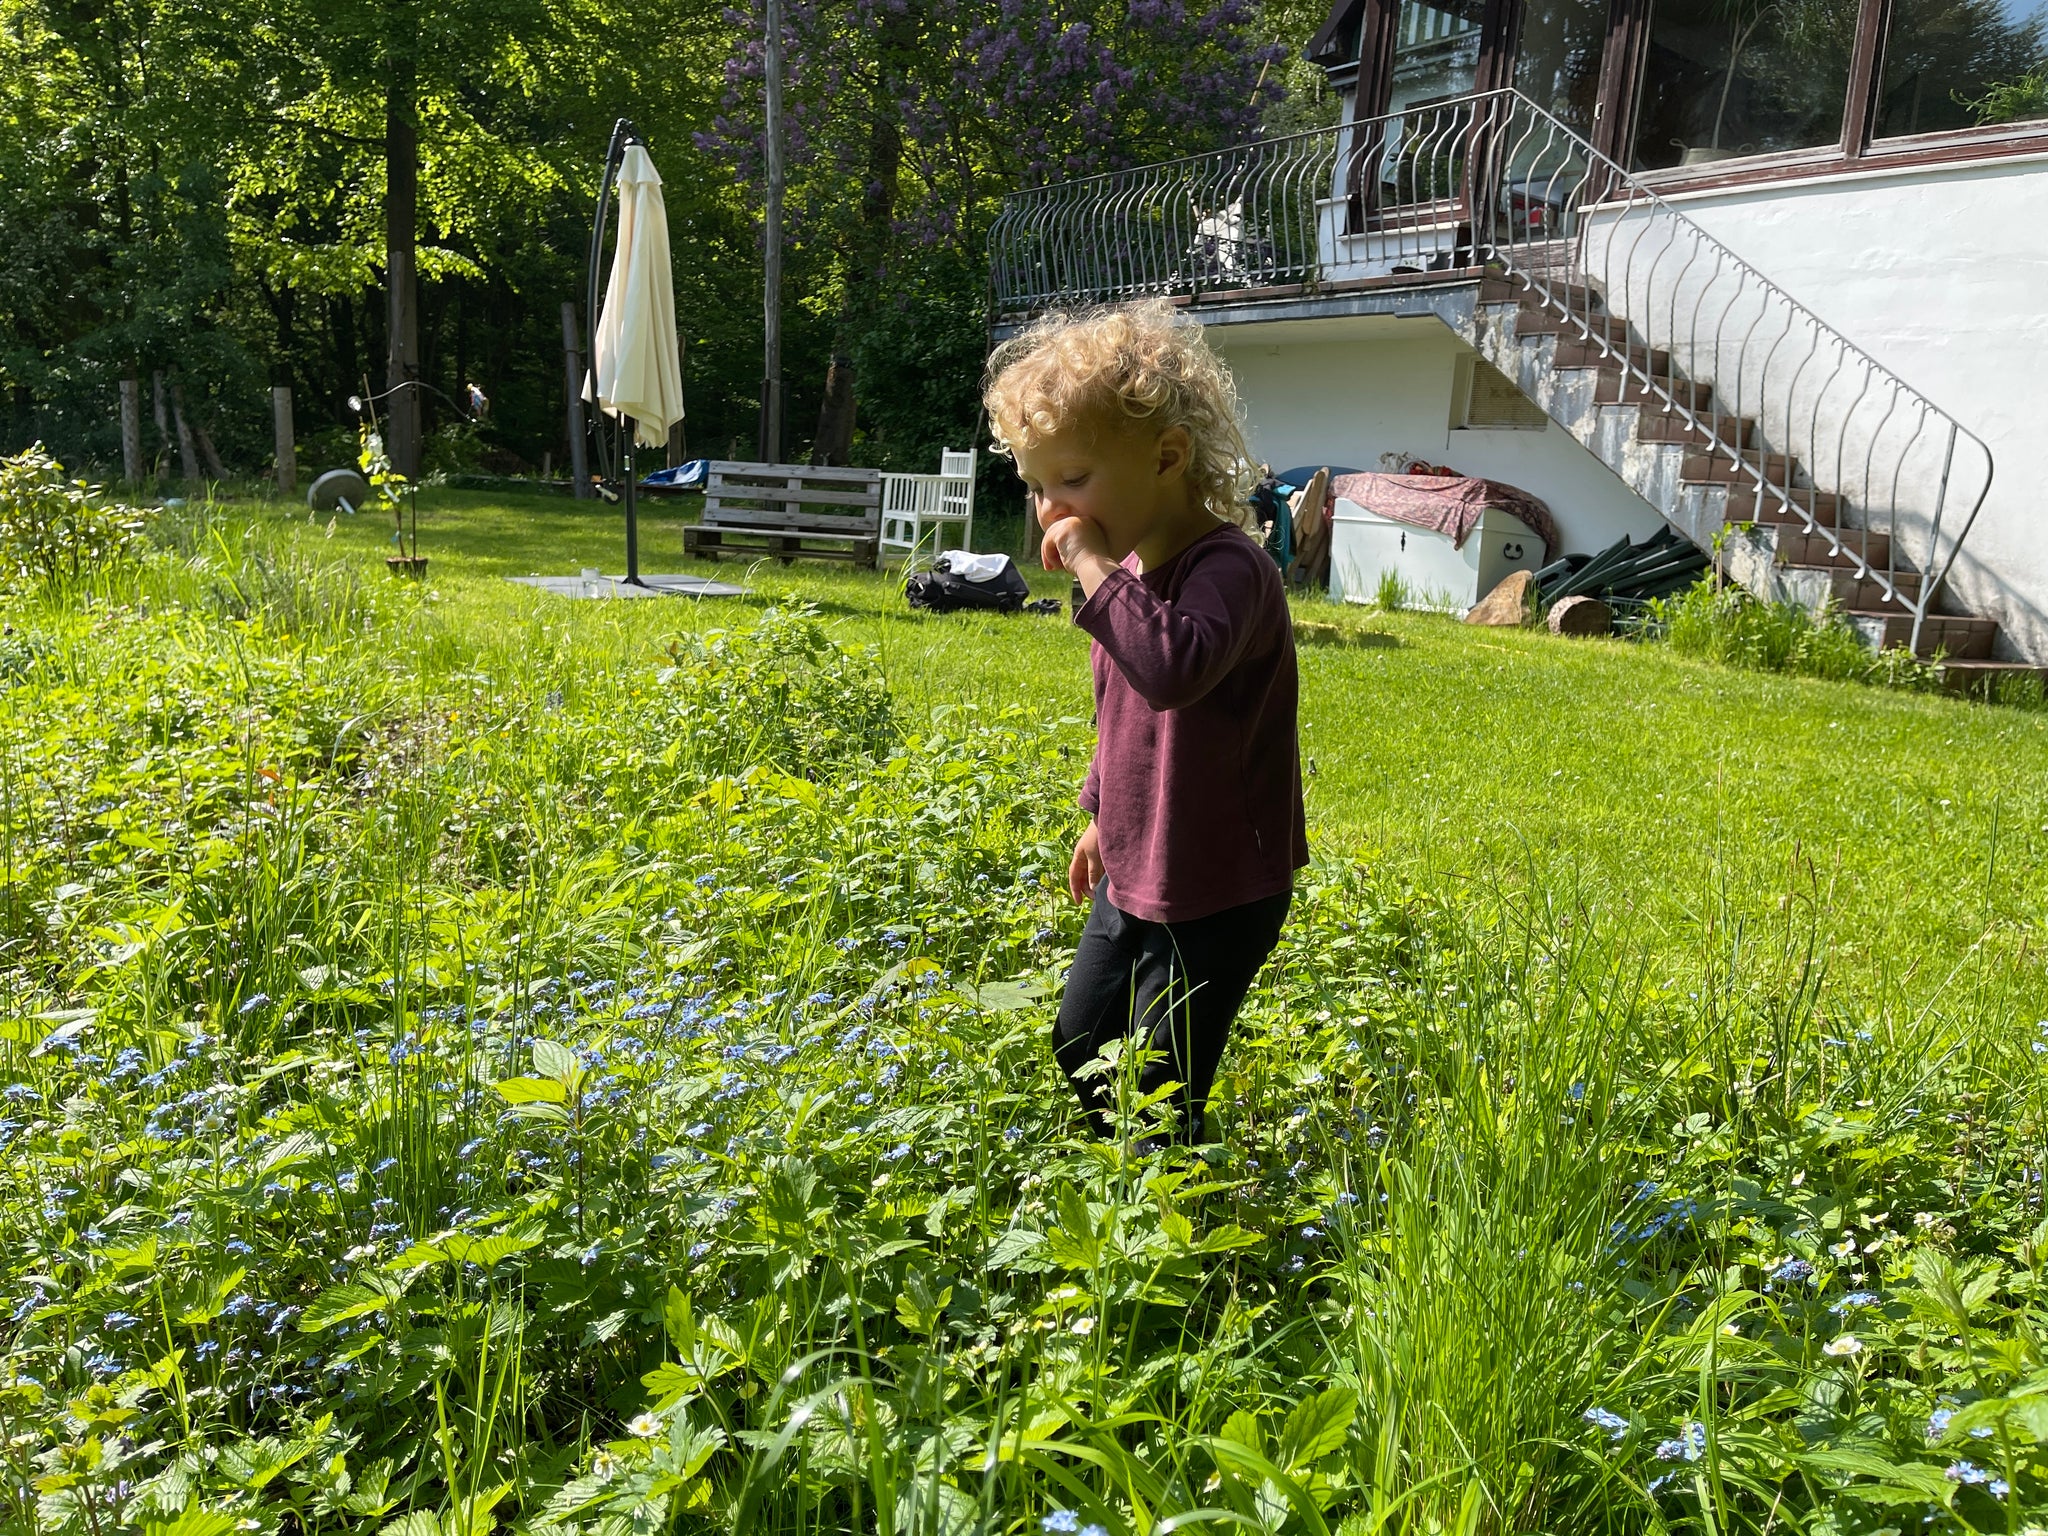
column 131, row 429
column 287, row 443
column 572, row 367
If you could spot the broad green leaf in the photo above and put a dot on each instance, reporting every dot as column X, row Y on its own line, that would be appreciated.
column 553, row 1059
column 192, row 1521
column 1315, row 1427
column 357, row 1298
column 530, row 1090
column 1241, row 1428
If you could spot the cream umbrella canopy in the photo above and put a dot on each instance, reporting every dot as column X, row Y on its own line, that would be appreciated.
column 635, row 372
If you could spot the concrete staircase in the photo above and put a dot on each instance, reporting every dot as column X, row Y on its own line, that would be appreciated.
column 1700, row 488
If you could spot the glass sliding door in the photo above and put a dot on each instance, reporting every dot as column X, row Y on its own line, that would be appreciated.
column 1558, row 53
column 1723, row 78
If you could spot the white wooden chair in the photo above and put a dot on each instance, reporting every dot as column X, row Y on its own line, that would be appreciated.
column 924, row 514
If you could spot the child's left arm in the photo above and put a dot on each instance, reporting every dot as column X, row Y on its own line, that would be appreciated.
column 1174, row 653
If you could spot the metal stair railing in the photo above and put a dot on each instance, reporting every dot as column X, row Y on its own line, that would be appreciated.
column 1710, row 338
column 1493, row 178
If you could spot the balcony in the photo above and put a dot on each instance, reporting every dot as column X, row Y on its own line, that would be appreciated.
column 1378, row 204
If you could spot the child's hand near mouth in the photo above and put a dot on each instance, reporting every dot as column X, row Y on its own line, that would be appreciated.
column 1070, row 541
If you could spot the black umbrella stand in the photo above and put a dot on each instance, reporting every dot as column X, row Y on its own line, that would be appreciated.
column 623, row 134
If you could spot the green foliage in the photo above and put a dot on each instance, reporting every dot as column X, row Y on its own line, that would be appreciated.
column 1728, row 625
column 462, row 1076
column 53, row 528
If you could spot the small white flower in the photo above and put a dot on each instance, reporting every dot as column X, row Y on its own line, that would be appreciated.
column 1084, row 1326
column 1215, row 1482
column 1733, row 1330
column 1845, row 1249
column 644, row 1426
column 603, row 1465
column 1847, row 1344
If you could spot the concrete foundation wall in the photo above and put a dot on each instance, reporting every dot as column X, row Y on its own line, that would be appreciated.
column 1344, row 392
column 1941, row 275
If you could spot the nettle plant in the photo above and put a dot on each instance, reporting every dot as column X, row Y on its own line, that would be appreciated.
column 54, row 528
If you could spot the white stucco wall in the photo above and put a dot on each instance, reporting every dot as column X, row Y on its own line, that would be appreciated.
column 1941, row 275
column 1346, row 391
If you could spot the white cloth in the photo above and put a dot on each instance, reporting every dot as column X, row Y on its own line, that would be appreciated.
column 959, row 562
column 634, row 367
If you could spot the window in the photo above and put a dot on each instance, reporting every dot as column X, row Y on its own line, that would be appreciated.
column 1484, row 397
column 1436, row 52
column 1723, row 78
column 1963, row 64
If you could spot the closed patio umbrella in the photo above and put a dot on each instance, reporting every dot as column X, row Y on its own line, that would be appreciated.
column 635, row 373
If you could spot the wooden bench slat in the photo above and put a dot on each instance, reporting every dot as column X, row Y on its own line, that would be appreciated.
column 748, row 493
column 839, row 472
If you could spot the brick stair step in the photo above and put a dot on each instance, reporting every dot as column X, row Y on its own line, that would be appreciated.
column 1745, row 507
column 1981, row 678
column 1616, row 388
column 1811, row 549
column 1547, row 322
column 1667, row 426
column 1862, row 594
column 1574, row 353
column 1579, row 298
column 1964, row 639
column 1719, row 469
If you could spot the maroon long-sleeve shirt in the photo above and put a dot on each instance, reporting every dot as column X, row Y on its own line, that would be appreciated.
column 1196, row 783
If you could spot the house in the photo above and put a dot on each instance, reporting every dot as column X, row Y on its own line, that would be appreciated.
column 1774, row 267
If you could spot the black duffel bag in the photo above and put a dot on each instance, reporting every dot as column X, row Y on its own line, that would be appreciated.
column 982, row 586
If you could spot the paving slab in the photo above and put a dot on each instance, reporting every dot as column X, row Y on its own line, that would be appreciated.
column 594, row 584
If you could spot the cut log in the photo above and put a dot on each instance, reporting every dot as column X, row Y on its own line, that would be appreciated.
column 1581, row 616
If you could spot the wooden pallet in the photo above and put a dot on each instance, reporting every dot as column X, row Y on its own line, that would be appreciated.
column 789, row 512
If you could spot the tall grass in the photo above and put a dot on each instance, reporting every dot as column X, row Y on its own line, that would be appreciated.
column 1725, row 624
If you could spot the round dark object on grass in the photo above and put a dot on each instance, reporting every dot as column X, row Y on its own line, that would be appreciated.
column 330, row 490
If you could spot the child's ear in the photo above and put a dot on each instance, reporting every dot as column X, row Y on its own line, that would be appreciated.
column 1176, row 448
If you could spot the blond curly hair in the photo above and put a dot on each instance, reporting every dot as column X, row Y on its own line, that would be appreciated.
column 1133, row 363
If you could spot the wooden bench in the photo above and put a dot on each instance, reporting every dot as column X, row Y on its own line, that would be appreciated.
column 787, row 511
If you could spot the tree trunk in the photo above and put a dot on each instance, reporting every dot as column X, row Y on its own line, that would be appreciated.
column 215, row 470
column 835, row 414
column 401, row 219
column 870, row 254
column 188, row 452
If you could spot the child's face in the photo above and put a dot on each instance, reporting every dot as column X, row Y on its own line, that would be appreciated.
column 1124, row 478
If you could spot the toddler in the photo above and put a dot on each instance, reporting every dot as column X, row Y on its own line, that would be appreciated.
column 1124, row 428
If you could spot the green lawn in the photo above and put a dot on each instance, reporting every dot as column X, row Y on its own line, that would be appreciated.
column 1686, row 802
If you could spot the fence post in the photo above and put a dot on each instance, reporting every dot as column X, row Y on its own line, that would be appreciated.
column 572, row 365
column 287, row 443
column 131, row 428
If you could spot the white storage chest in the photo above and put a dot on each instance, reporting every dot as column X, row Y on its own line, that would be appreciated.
column 1364, row 547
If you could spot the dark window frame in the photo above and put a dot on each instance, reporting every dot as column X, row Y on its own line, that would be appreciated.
column 1858, row 149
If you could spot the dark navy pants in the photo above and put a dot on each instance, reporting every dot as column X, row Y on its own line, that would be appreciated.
column 1172, row 989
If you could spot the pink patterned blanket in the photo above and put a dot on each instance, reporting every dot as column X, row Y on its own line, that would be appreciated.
column 1445, row 503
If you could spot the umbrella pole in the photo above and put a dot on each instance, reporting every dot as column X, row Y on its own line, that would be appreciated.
column 632, row 503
